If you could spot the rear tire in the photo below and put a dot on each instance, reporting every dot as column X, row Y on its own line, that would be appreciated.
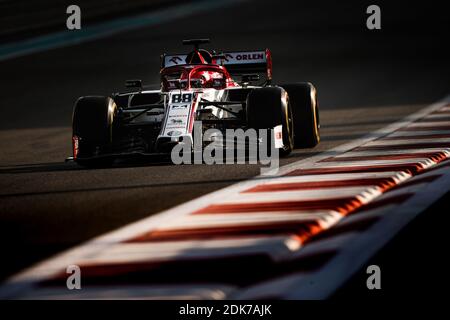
column 305, row 112
column 92, row 125
column 269, row 107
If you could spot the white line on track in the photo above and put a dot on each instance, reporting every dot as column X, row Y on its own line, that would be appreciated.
column 356, row 253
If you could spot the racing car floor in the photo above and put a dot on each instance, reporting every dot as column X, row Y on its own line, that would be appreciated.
column 365, row 81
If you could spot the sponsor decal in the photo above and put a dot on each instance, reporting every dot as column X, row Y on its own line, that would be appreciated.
column 177, row 121
column 179, row 106
column 75, row 145
column 175, row 59
column 174, row 133
column 180, row 112
column 278, row 134
column 227, row 55
column 254, row 56
column 245, row 57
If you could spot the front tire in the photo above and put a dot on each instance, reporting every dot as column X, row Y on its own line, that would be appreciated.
column 92, row 130
column 269, row 107
column 305, row 112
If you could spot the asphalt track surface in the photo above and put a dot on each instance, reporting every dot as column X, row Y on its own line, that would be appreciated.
column 365, row 79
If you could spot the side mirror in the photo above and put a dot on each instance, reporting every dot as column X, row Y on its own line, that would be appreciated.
column 133, row 84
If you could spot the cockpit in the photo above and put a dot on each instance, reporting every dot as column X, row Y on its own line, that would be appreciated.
column 199, row 70
column 193, row 76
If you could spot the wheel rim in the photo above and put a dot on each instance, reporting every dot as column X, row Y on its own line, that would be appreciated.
column 289, row 136
column 316, row 116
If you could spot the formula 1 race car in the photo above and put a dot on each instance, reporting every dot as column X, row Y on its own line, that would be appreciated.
column 198, row 86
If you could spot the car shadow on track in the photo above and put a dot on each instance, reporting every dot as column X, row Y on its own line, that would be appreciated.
column 121, row 187
column 119, row 164
column 70, row 166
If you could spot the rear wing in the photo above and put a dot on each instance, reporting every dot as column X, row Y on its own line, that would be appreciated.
column 245, row 62
column 237, row 63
